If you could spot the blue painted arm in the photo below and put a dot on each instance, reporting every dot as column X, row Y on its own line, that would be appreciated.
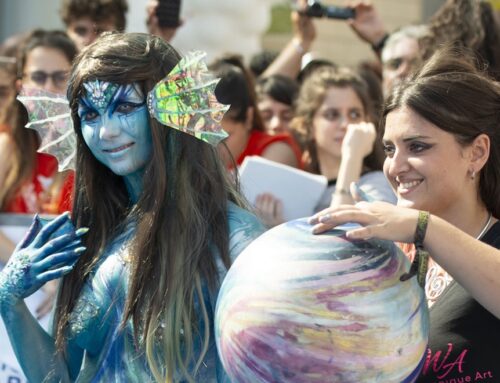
column 47, row 252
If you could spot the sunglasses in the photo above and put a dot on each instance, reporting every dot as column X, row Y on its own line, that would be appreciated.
column 59, row 78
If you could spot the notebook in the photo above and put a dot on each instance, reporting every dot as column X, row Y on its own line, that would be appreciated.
column 298, row 190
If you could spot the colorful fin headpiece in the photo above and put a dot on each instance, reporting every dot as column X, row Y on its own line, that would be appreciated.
column 49, row 114
column 185, row 100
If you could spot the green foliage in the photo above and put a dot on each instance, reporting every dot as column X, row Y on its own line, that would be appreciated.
column 280, row 19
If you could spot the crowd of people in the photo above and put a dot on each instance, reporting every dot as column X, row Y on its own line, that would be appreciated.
column 144, row 228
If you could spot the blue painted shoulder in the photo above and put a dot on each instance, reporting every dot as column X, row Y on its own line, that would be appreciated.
column 244, row 227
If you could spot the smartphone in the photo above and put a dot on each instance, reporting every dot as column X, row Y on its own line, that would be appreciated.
column 168, row 12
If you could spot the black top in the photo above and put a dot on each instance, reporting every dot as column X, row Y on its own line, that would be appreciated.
column 464, row 344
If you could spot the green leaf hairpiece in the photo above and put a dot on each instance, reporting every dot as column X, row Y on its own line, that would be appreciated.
column 185, row 100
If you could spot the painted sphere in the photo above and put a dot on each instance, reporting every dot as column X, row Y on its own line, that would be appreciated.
column 303, row 308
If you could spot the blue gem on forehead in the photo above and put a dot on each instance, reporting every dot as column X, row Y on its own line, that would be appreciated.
column 100, row 92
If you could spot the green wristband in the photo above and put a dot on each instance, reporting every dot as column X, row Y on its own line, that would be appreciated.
column 422, row 222
column 421, row 261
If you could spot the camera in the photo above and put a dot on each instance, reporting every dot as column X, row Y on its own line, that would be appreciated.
column 316, row 9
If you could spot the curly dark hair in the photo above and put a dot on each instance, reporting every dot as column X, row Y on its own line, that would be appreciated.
column 466, row 23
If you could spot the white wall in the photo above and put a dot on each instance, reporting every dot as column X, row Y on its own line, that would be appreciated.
column 22, row 15
column 216, row 26
column 221, row 26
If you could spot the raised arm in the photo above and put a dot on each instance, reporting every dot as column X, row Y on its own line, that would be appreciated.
column 472, row 263
column 368, row 25
column 358, row 143
column 289, row 61
column 45, row 254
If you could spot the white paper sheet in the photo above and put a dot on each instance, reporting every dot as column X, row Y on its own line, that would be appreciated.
column 298, row 190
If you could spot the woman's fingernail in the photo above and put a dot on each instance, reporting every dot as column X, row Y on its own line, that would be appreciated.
column 81, row 231
column 79, row 250
column 325, row 218
column 36, row 221
column 67, row 269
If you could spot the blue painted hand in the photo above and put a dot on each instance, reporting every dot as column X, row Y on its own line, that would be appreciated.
column 47, row 252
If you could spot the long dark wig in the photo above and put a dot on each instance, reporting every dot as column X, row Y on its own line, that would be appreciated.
column 181, row 215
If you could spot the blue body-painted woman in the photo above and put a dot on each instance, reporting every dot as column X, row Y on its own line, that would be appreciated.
column 159, row 226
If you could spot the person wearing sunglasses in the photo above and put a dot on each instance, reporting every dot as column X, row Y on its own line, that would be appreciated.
column 31, row 183
column 45, row 61
column 56, row 81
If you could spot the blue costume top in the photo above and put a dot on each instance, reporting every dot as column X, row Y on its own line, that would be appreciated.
column 111, row 355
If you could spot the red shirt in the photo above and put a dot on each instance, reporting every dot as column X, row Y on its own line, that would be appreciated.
column 46, row 192
column 259, row 141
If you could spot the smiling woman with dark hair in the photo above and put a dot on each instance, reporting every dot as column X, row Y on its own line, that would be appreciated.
column 442, row 145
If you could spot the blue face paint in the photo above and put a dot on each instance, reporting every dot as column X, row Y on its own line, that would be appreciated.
column 115, row 127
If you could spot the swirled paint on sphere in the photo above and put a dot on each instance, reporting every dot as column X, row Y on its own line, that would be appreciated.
column 297, row 307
